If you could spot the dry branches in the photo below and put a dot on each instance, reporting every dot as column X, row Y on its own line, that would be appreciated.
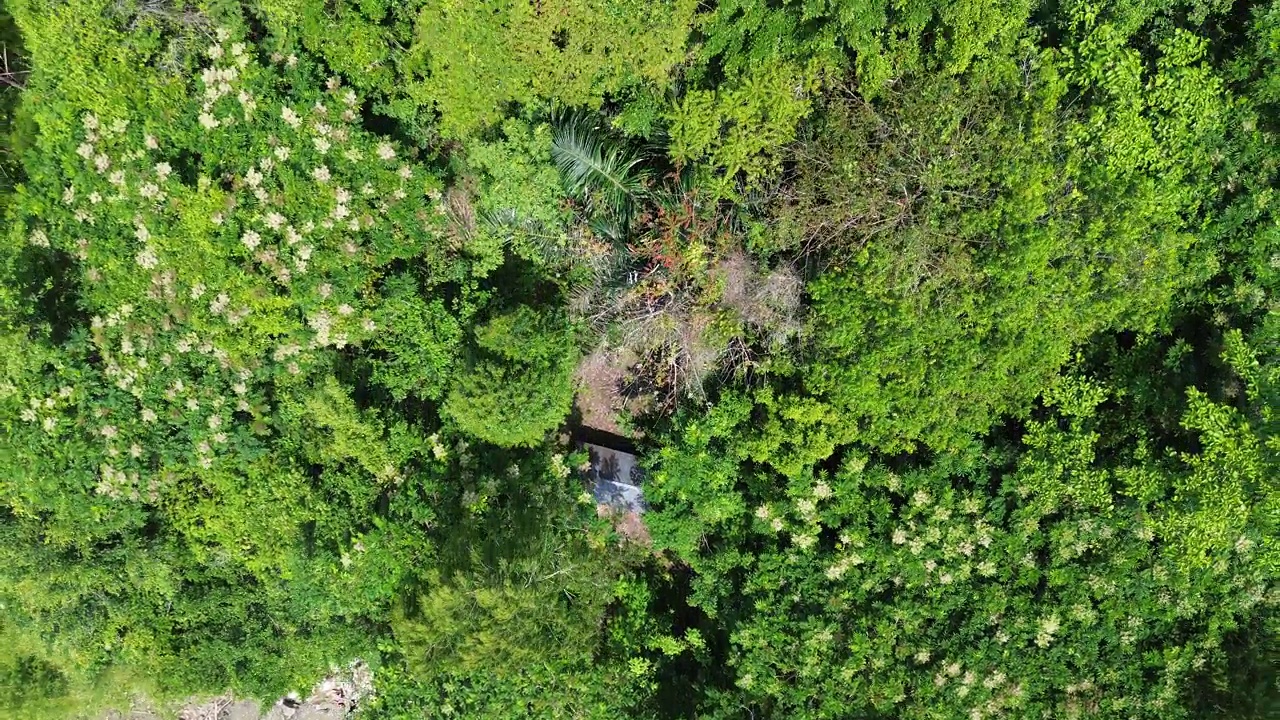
column 10, row 76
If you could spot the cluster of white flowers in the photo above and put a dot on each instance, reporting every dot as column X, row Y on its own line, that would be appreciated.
column 438, row 451
column 46, row 410
column 204, row 454
column 154, row 354
column 218, row 82
column 323, row 324
column 118, row 484
column 284, row 352
column 950, row 549
column 558, row 466
column 129, row 363
column 251, row 240
column 146, row 257
column 842, row 566
column 1048, row 627
column 999, row 693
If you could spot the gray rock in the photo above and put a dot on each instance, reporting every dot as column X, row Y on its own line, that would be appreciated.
column 616, row 479
column 242, row 710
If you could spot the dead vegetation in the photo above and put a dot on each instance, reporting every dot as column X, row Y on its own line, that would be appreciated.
column 664, row 333
column 602, row 374
column 627, row 523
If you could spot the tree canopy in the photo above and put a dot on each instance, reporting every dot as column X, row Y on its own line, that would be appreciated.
column 947, row 334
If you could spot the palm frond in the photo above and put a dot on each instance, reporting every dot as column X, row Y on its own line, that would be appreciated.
column 610, row 228
column 597, row 170
column 548, row 243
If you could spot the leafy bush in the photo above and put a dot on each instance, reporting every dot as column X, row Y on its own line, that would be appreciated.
column 947, row 332
column 970, row 249
column 572, row 52
column 520, row 384
column 1066, row 585
column 764, row 62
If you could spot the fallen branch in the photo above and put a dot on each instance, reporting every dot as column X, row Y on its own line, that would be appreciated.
column 10, row 77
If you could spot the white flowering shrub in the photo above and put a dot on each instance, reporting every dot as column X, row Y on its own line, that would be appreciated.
column 196, row 264
column 222, row 255
column 981, row 585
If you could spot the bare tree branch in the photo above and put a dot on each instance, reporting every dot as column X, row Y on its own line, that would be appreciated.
column 9, row 76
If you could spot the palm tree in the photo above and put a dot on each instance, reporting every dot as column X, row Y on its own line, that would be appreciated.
column 603, row 175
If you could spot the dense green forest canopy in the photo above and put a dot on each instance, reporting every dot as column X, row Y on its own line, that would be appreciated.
column 948, row 332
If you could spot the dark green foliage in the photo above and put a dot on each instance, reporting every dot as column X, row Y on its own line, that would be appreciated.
column 519, row 384
column 542, row 609
column 422, row 343
column 11, row 53
column 589, row 692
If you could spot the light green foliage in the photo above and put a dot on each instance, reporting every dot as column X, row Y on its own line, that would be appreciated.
column 959, row 587
column 737, row 129
column 476, row 57
column 885, row 39
column 517, row 176
column 949, row 263
column 1201, row 502
column 765, row 61
column 975, row 246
